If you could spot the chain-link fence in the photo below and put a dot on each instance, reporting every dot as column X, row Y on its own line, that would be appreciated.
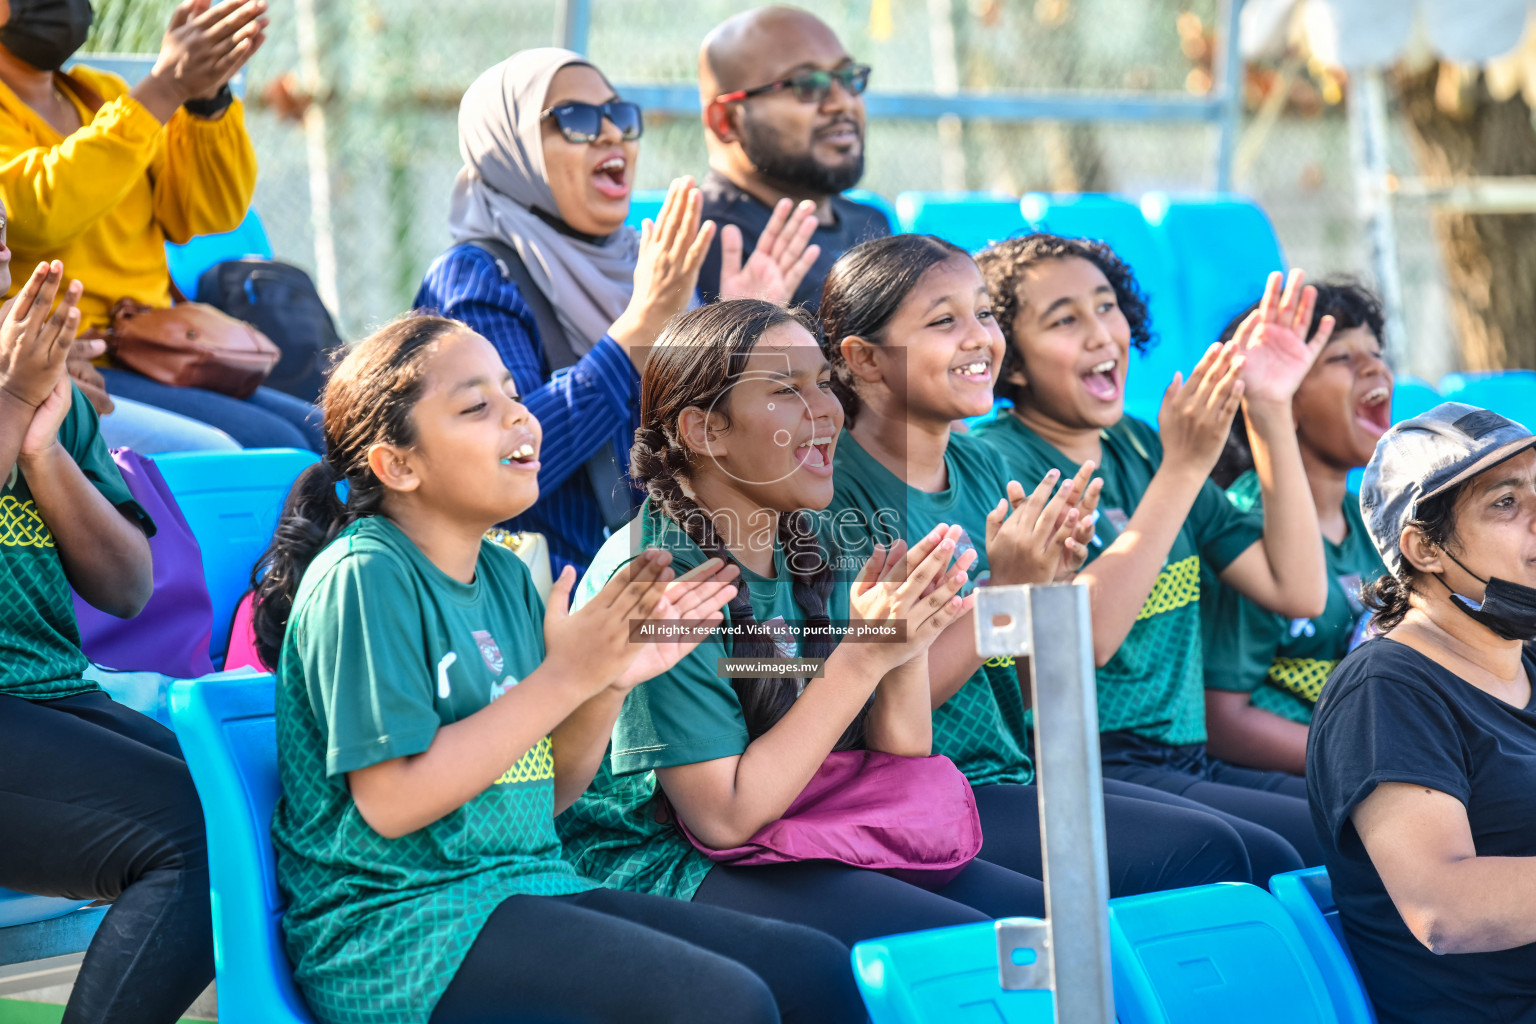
column 391, row 73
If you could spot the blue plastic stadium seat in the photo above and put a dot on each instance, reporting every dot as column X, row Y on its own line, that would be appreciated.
column 1412, row 397
column 187, row 262
column 1119, row 222
column 1223, row 249
column 24, row 908
column 1226, row 952
column 1509, row 393
column 231, row 501
column 644, row 203
column 942, row 975
column 1307, row 895
column 971, row 220
column 879, row 202
column 228, row 731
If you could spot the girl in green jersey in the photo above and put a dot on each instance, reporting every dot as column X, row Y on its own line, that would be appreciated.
column 1263, row 672
column 738, row 436
column 914, row 346
column 434, row 717
column 1070, row 310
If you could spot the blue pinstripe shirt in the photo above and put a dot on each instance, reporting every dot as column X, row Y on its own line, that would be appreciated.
column 579, row 407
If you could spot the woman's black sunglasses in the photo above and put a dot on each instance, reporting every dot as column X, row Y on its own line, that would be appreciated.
column 583, row 122
column 809, row 86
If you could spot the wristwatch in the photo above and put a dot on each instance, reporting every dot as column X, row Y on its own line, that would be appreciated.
column 211, row 107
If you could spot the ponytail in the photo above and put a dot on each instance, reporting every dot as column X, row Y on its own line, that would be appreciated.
column 367, row 401
column 311, row 519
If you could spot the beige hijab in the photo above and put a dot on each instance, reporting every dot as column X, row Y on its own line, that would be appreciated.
column 503, row 181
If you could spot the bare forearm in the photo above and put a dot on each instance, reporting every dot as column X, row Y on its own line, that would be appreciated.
column 1476, row 905
column 465, row 758
column 900, row 719
column 1120, row 580
column 1256, row 738
column 952, row 660
column 776, row 767
column 1297, row 585
column 159, row 95
column 579, row 744
column 105, row 557
column 15, row 415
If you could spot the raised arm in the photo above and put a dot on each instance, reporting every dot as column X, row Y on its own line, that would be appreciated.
column 1287, row 571
column 206, row 175
column 1195, row 418
column 580, row 741
column 576, row 408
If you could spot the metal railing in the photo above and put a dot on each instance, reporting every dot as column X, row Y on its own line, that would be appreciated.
column 1067, row 953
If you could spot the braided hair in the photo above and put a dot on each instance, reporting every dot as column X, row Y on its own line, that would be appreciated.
column 697, row 360
column 367, row 401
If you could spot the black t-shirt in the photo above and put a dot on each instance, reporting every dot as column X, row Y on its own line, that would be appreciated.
column 1389, row 714
column 724, row 204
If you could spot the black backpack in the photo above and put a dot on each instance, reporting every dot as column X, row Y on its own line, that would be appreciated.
column 281, row 302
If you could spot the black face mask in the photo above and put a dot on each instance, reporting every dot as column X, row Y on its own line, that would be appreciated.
column 44, row 33
column 1509, row 609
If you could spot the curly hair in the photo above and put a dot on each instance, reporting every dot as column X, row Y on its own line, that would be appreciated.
column 1351, row 304
column 1004, row 265
column 1387, row 595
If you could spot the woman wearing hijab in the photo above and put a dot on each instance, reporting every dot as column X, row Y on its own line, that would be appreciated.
column 543, row 265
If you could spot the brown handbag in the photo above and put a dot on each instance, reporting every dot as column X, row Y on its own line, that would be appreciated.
column 191, row 345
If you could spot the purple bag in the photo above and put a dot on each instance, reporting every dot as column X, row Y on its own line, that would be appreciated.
column 911, row 817
column 171, row 634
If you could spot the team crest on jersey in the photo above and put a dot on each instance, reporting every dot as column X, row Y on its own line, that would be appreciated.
column 1353, row 586
column 963, row 544
column 488, row 650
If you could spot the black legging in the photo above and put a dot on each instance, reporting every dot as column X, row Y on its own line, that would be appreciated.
column 1152, row 843
column 621, row 957
column 1273, row 801
column 854, row 904
column 97, row 804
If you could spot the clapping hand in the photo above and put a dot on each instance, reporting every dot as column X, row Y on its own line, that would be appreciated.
column 672, row 249
column 1273, row 340
column 35, row 340
column 779, row 261
column 1042, row 537
column 695, row 597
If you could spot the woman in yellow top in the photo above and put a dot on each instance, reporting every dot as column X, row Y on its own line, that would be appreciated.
column 100, row 176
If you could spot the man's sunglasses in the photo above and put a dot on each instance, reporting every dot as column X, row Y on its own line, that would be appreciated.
column 809, row 86
column 582, row 123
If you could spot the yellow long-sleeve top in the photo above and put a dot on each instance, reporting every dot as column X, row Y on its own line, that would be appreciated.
column 107, row 198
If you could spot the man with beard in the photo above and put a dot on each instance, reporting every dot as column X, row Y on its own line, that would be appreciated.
column 783, row 119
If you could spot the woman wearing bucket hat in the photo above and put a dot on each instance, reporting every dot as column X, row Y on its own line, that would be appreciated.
column 1422, row 757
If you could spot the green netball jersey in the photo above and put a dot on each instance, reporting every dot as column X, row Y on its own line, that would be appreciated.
column 383, row 648
column 1284, row 662
column 983, row 728
column 1154, row 685
column 40, row 657
column 618, row 830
